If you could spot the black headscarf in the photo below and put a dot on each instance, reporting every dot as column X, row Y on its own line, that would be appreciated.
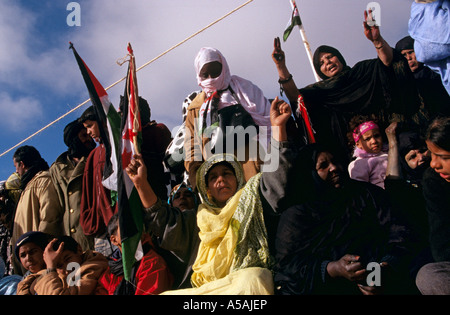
column 411, row 140
column 327, row 49
column 369, row 87
column 405, row 43
column 352, row 219
column 76, row 149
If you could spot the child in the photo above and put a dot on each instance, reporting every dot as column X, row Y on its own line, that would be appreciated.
column 150, row 275
column 62, row 277
column 371, row 155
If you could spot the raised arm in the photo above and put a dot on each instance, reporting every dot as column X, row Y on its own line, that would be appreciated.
column 393, row 166
column 138, row 175
column 372, row 32
column 286, row 80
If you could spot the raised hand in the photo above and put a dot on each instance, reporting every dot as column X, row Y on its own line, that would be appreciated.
column 278, row 54
column 136, row 170
column 280, row 111
column 372, row 32
column 53, row 257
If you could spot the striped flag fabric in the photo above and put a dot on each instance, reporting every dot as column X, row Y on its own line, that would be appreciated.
column 307, row 125
column 129, row 203
column 108, row 119
column 295, row 20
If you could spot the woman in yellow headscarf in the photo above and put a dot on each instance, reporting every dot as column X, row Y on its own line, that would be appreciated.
column 227, row 244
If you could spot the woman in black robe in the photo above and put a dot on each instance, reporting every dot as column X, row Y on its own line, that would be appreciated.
column 325, row 243
column 384, row 86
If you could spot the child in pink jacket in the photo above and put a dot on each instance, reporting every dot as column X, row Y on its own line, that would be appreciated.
column 371, row 155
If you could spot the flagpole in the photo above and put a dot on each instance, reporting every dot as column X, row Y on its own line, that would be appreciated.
column 136, row 121
column 306, row 44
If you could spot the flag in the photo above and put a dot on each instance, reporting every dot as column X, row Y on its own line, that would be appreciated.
column 129, row 202
column 307, row 126
column 108, row 121
column 295, row 20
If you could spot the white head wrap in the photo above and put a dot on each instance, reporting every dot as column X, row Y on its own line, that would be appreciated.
column 249, row 95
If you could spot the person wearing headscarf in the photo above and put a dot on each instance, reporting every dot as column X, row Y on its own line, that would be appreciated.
column 326, row 241
column 434, row 99
column 38, row 208
column 383, row 86
column 12, row 185
column 227, row 242
column 225, row 100
column 408, row 159
column 182, row 196
column 67, row 176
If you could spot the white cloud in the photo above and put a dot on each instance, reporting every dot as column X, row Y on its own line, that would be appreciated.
column 20, row 112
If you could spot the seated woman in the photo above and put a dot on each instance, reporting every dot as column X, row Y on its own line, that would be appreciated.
column 408, row 158
column 434, row 278
column 384, row 86
column 325, row 243
column 226, row 241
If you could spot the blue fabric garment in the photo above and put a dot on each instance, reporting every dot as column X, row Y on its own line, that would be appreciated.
column 429, row 25
column 8, row 284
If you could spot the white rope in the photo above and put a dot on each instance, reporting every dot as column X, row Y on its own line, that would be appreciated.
column 118, row 81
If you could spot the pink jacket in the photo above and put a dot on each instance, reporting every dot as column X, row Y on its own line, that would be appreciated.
column 369, row 167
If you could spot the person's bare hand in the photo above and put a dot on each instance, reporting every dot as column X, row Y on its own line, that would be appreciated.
column 280, row 111
column 391, row 131
column 278, row 55
column 136, row 170
column 371, row 288
column 53, row 258
column 372, row 32
column 348, row 267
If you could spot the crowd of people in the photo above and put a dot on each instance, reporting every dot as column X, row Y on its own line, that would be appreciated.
column 362, row 208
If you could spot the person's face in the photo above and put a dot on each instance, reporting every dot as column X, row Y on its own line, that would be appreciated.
column 328, row 169
column 87, row 141
column 330, row 65
column 183, row 199
column 440, row 160
column 31, row 257
column 410, row 55
column 116, row 240
column 222, row 184
column 67, row 256
column 417, row 157
column 92, row 129
column 20, row 167
column 371, row 141
column 210, row 70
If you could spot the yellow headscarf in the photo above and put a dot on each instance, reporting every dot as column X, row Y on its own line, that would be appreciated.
column 233, row 237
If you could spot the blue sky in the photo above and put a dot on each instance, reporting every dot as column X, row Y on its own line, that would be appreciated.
column 40, row 81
